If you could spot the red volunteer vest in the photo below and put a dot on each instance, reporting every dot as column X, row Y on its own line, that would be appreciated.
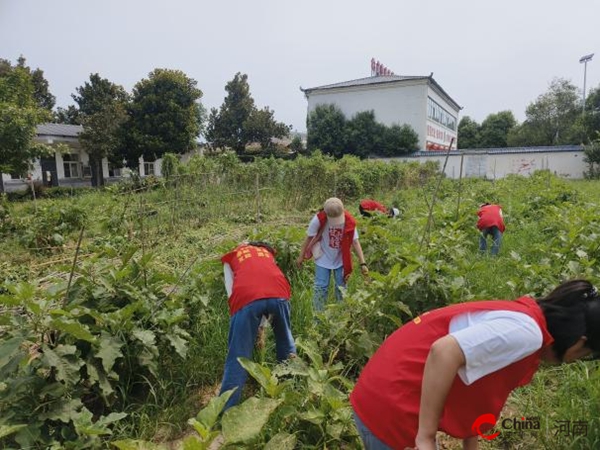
column 489, row 216
column 372, row 205
column 387, row 395
column 255, row 276
column 347, row 238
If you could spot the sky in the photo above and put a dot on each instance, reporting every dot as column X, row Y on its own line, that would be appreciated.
column 488, row 56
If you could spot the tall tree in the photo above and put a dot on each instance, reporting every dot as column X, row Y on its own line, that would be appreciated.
column 164, row 115
column 468, row 133
column 326, row 128
column 69, row 115
column 238, row 122
column 226, row 125
column 41, row 87
column 552, row 119
column 19, row 116
column 591, row 116
column 101, row 111
column 495, row 129
column 261, row 127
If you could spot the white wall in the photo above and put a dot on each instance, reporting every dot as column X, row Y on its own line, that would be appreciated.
column 492, row 165
column 392, row 103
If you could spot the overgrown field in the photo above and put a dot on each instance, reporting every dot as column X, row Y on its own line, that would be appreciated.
column 114, row 321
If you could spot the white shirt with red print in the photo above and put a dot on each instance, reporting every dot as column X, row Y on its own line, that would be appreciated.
column 331, row 242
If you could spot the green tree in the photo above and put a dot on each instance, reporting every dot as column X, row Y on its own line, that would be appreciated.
column 261, row 126
column 399, row 140
column 226, row 125
column 101, row 112
column 591, row 153
column 238, row 122
column 494, row 130
column 297, row 146
column 326, row 128
column 41, row 88
column 164, row 115
column 20, row 113
column 69, row 115
column 364, row 135
column 552, row 119
column 591, row 117
column 468, row 133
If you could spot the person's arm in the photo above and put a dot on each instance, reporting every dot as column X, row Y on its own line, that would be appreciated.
column 300, row 258
column 361, row 257
column 444, row 359
column 228, row 275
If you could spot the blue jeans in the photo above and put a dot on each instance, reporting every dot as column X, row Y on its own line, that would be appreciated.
column 370, row 441
column 322, row 277
column 243, row 328
column 496, row 239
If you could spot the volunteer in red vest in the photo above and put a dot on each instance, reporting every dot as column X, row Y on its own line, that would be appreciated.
column 256, row 288
column 490, row 223
column 448, row 367
column 330, row 237
column 369, row 207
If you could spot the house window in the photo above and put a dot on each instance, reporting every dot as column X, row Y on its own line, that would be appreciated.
column 149, row 168
column 112, row 172
column 71, row 165
column 15, row 176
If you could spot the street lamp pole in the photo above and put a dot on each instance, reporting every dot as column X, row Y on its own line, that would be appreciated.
column 584, row 60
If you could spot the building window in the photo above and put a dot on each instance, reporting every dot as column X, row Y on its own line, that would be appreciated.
column 71, row 165
column 438, row 114
column 15, row 176
column 149, row 168
column 113, row 172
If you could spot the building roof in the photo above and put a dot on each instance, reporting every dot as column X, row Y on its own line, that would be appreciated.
column 382, row 80
column 58, row 129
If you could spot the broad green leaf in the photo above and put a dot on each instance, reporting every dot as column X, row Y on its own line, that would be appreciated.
column 73, row 328
column 98, row 375
column 147, row 337
column 7, row 430
column 312, row 351
column 244, row 423
column 64, row 410
column 210, row 413
column 178, row 343
column 109, row 350
column 260, row 373
column 282, row 441
column 315, row 416
column 63, row 359
column 10, row 348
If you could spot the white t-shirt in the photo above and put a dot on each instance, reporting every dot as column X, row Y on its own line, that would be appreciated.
column 331, row 243
column 492, row 340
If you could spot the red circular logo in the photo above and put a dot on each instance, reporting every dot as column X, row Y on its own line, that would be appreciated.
column 485, row 419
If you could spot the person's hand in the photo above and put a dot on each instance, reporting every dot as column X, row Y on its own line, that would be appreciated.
column 424, row 443
column 299, row 261
column 364, row 270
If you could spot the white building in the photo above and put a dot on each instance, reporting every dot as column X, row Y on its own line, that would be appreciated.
column 566, row 161
column 418, row 101
column 72, row 167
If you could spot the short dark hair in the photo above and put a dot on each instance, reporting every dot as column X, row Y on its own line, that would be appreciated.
column 263, row 244
column 572, row 310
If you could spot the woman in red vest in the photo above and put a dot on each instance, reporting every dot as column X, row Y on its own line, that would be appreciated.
column 447, row 368
column 368, row 207
column 256, row 288
column 490, row 223
column 330, row 237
